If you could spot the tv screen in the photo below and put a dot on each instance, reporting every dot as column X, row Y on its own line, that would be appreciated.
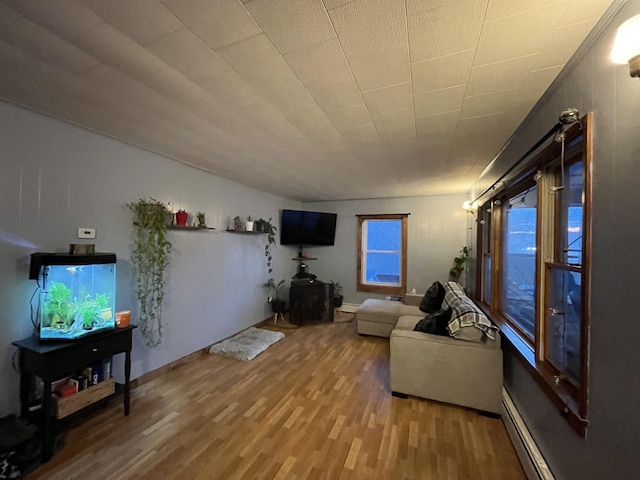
column 299, row 227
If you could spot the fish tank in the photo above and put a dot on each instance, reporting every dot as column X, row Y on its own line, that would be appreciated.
column 77, row 296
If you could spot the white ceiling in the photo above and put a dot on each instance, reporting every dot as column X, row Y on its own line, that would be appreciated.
column 309, row 99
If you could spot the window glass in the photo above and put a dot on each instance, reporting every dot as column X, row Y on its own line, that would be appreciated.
column 563, row 322
column 571, row 217
column 519, row 260
column 382, row 251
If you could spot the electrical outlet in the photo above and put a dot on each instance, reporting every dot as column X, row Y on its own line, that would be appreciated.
column 86, row 233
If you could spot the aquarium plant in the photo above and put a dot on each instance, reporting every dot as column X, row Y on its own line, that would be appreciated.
column 90, row 309
column 58, row 309
column 150, row 258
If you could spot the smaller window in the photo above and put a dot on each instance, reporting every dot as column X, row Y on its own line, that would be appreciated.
column 382, row 253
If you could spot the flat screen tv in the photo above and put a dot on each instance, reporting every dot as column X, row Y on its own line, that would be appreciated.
column 299, row 227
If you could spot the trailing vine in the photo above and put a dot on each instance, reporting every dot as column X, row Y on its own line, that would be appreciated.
column 271, row 240
column 150, row 258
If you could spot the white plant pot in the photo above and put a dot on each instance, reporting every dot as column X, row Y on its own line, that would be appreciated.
column 248, row 226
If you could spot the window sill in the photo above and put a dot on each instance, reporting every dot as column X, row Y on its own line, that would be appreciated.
column 558, row 393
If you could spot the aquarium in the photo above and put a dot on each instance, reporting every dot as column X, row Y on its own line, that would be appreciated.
column 77, row 296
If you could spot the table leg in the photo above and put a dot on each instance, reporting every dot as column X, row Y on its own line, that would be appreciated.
column 47, row 437
column 26, row 380
column 127, row 382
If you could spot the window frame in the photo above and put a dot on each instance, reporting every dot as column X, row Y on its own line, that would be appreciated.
column 571, row 400
column 361, row 286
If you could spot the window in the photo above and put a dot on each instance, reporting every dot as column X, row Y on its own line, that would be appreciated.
column 382, row 253
column 518, row 276
column 534, row 280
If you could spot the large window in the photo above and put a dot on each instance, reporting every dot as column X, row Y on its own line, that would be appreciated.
column 534, row 263
column 382, row 253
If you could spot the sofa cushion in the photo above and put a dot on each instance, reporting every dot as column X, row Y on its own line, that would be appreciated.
column 435, row 323
column 433, row 297
column 384, row 311
column 467, row 322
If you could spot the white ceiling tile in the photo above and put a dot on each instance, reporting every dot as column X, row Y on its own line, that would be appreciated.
column 417, row 6
column 381, row 69
column 445, row 29
column 329, row 4
column 217, row 23
column 563, row 44
column 349, row 118
column 442, row 72
column 490, row 104
column 185, row 52
column 506, row 8
column 396, row 97
column 584, row 10
column 400, row 137
column 171, row 84
column 496, row 77
column 366, row 26
column 322, row 63
column 366, row 134
column 44, row 45
column 394, row 120
column 116, row 49
column 517, row 36
column 441, row 124
column 125, row 14
column 439, row 101
column 67, row 18
column 334, row 96
column 292, row 25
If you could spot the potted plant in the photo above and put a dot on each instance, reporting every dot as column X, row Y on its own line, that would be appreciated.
column 271, row 240
column 249, row 224
column 458, row 265
column 277, row 303
column 181, row 218
column 200, row 217
column 337, row 294
column 150, row 258
column 237, row 224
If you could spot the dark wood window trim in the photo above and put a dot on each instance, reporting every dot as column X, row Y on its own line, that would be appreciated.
column 570, row 402
column 382, row 289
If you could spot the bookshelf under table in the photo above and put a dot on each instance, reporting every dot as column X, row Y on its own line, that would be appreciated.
column 54, row 360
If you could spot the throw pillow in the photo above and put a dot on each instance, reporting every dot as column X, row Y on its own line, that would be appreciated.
column 435, row 323
column 432, row 300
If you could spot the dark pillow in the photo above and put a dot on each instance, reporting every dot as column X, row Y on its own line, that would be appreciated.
column 436, row 323
column 433, row 297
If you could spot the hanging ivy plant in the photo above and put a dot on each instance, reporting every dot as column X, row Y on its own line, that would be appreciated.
column 150, row 258
column 271, row 240
column 458, row 264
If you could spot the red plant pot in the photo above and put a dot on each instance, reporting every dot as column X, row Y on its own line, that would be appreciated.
column 181, row 218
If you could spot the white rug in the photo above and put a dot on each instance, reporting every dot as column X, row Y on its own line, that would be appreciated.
column 247, row 344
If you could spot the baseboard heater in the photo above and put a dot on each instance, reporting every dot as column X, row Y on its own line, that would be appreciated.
column 533, row 463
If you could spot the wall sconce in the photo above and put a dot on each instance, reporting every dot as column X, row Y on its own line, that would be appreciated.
column 470, row 206
column 626, row 47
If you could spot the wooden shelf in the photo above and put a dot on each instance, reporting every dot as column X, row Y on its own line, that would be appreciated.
column 185, row 227
column 244, row 232
column 302, row 259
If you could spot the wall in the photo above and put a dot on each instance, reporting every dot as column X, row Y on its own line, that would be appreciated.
column 610, row 449
column 56, row 177
column 436, row 235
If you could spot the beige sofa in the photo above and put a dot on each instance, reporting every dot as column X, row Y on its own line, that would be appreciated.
column 446, row 369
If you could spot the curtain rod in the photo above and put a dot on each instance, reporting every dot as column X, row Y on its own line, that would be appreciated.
column 544, row 138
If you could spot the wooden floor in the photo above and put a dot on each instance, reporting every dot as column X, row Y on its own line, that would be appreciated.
column 316, row 405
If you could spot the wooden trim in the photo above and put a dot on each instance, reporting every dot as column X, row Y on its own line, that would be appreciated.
column 384, row 289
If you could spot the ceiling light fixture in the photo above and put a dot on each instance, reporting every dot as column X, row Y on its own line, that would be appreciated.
column 470, row 206
column 626, row 47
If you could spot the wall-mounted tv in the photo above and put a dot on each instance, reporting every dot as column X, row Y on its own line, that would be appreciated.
column 299, row 227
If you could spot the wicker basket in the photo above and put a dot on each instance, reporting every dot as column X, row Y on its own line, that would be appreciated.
column 68, row 405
